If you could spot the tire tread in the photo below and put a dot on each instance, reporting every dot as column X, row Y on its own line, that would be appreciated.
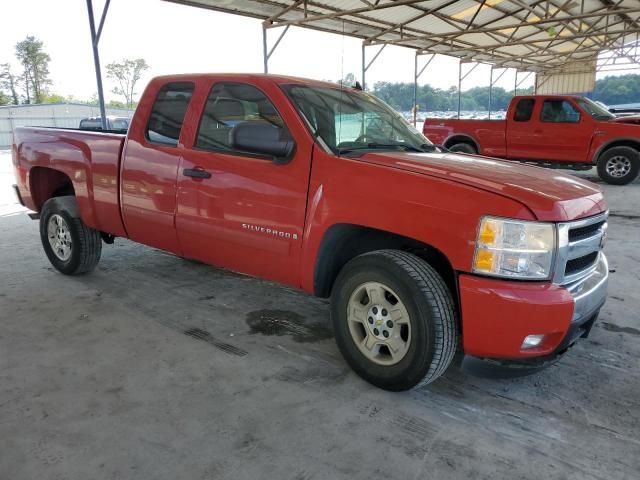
column 434, row 289
column 90, row 240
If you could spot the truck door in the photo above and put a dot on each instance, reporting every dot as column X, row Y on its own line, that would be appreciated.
column 150, row 166
column 560, row 132
column 519, row 131
column 240, row 210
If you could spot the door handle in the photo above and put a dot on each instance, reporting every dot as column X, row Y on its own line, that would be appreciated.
column 197, row 172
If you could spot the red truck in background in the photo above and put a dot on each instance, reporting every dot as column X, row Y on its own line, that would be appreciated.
column 325, row 188
column 556, row 130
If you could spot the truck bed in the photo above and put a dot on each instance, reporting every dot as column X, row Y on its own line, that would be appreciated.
column 88, row 161
column 490, row 134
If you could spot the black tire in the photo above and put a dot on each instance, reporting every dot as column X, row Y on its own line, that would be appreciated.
column 463, row 148
column 432, row 318
column 621, row 155
column 85, row 245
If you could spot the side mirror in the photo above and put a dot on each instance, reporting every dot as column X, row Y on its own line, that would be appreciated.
column 262, row 138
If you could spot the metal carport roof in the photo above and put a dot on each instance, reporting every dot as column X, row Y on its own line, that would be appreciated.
column 549, row 37
column 538, row 35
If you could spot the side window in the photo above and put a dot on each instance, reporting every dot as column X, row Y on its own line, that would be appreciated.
column 524, row 109
column 228, row 105
column 167, row 114
column 559, row 111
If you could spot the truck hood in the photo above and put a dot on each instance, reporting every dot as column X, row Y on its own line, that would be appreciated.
column 549, row 194
column 630, row 119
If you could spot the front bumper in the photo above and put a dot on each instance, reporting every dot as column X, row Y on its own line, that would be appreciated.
column 498, row 315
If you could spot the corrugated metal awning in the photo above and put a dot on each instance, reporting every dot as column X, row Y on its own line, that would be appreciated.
column 532, row 35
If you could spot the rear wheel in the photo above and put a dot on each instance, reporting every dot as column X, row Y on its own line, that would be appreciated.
column 71, row 246
column 619, row 165
column 394, row 319
column 463, row 148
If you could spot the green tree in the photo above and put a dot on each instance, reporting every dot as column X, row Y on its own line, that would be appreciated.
column 400, row 97
column 35, row 63
column 611, row 90
column 8, row 82
column 126, row 73
column 54, row 98
column 4, row 100
column 116, row 104
column 620, row 89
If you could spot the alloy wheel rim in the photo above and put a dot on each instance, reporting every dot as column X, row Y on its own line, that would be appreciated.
column 379, row 323
column 618, row 166
column 59, row 237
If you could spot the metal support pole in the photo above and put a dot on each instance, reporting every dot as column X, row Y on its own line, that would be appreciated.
column 375, row 56
column 490, row 90
column 524, row 79
column 364, row 68
column 515, row 85
column 365, row 65
column 265, row 55
column 416, row 76
column 95, row 39
column 459, row 87
column 460, row 78
column 415, row 89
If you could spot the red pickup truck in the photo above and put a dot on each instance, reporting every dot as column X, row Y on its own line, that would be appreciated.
column 555, row 130
column 328, row 190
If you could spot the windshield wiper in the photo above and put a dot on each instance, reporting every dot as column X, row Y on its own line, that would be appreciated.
column 430, row 147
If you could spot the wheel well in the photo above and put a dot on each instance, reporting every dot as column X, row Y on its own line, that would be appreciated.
column 46, row 183
column 461, row 139
column 343, row 242
column 618, row 143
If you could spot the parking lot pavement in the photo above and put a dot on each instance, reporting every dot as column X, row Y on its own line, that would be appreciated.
column 158, row 367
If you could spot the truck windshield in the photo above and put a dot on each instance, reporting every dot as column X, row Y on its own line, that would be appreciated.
column 349, row 121
column 593, row 109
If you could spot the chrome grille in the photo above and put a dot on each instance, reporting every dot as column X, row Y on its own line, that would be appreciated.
column 579, row 245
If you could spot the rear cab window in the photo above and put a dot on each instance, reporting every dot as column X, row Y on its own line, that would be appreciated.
column 167, row 113
column 90, row 124
column 524, row 110
column 119, row 124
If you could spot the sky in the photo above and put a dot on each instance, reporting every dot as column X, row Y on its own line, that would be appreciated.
column 179, row 39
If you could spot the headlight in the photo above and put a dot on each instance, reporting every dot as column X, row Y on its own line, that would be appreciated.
column 514, row 249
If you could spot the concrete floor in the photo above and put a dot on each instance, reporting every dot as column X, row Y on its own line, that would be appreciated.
column 155, row 367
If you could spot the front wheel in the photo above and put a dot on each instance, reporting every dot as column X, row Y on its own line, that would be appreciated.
column 619, row 165
column 394, row 319
column 71, row 246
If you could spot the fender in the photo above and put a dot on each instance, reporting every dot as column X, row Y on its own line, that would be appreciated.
column 90, row 160
column 408, row 206
column 605, row 146
column 70, row 204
